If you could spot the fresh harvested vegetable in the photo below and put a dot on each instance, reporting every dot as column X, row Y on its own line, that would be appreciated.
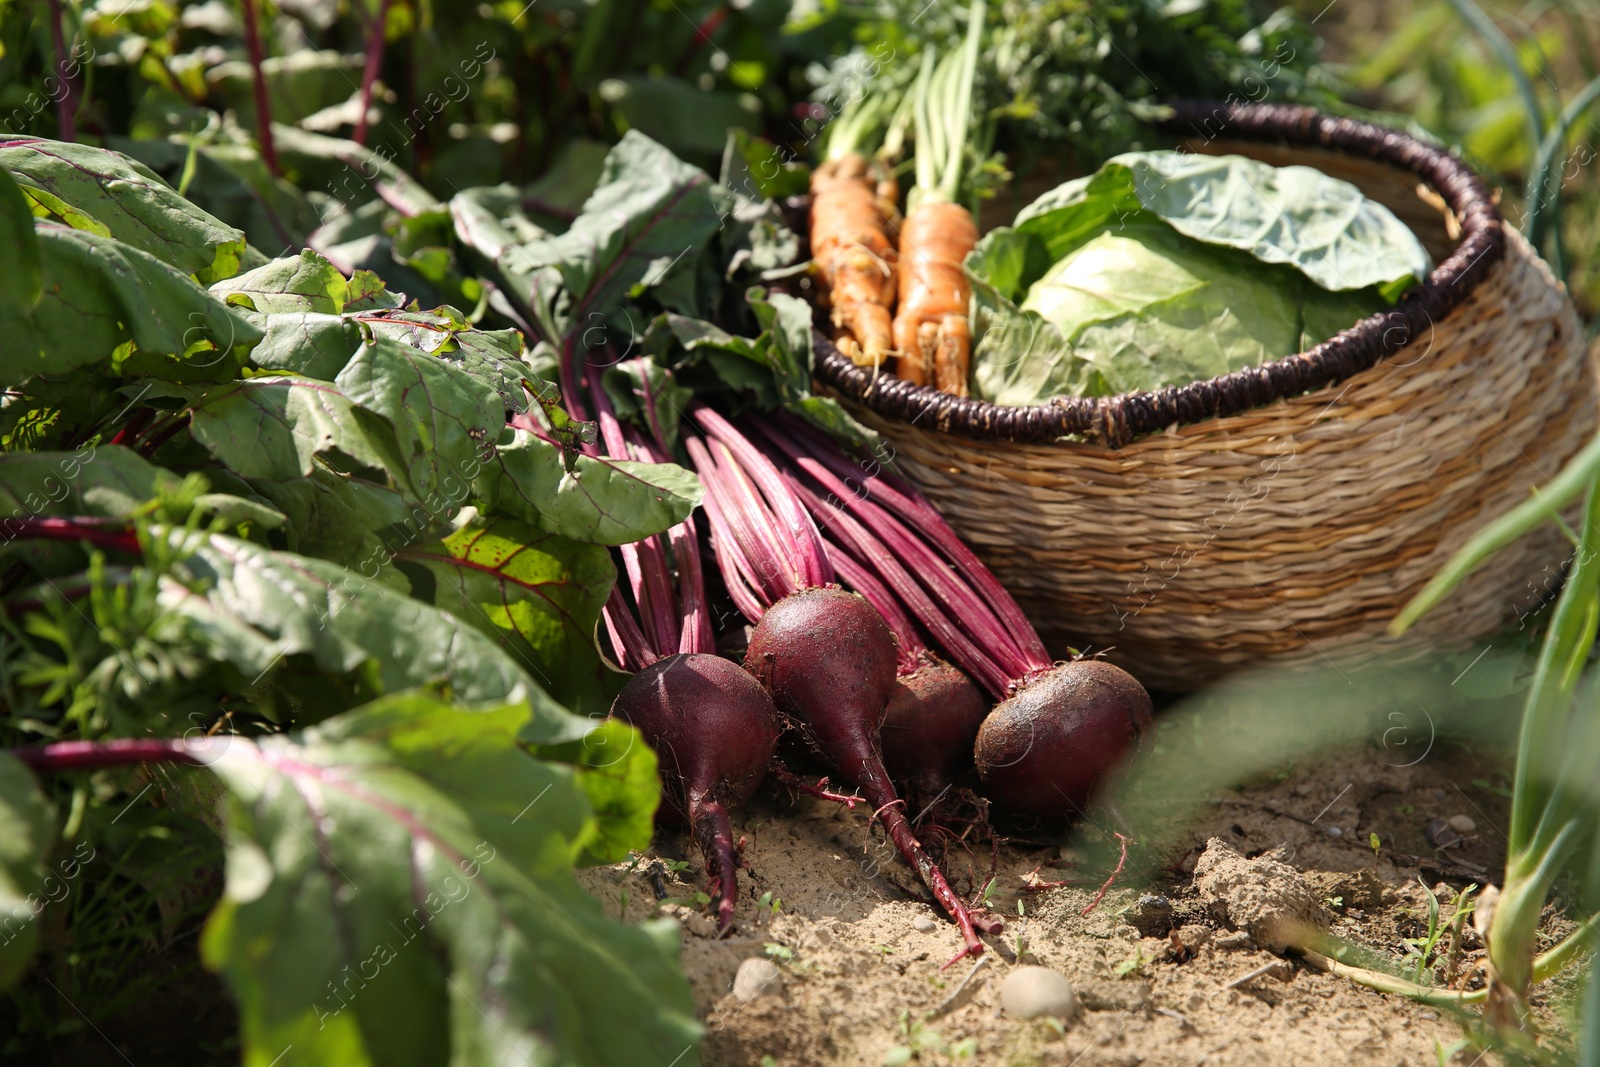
column 953, row 596
column 826, row 656
column 1090, row 710
column 712, row 726
column 714, row 730
column 1165, row 268
column 931, row 333
column 930, row 324
column 828, row 659
column 934, row 712
column 929, row 728
column 1044, row 750
column 853, row 226
column 1070, row 83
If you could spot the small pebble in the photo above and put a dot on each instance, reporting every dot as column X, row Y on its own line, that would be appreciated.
column 1462, row 824
column 1334, row 831
column 1033, row 992
column 756, row 977
column 923, row 924
column 1439, row 833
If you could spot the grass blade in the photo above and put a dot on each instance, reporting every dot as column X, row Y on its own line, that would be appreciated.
column 1539, row 177
column 1474, row 16
column 1555, row 679
column 1589, row 1041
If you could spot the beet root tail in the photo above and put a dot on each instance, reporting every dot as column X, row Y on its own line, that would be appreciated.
column 714, row 832
column 899, row 830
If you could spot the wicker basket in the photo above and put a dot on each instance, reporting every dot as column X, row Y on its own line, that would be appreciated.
column 1287, row 510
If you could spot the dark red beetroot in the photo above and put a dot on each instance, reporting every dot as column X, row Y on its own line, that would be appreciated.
column 1089, row 711
column 826, row 656
column 1044, row 751
column 930, row 727
column 934, row 711
column 828, row 659
column 714, row 729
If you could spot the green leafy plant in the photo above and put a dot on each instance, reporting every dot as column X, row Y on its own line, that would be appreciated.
column 1103, row 284
column 1424, row 947
column 1132, row 966
column 1510, row 85
column 1552, row 799
column 290, row 557
column 916, row 1040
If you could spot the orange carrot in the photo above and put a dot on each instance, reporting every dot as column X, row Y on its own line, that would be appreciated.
column 930, row 327
column 931, row 333
column 852, row 242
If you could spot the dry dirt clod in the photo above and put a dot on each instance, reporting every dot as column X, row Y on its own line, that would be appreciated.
column 1267, row 898
column 1193, row 937
column 1034, row 992
column 1151, row 915
column 756, row 977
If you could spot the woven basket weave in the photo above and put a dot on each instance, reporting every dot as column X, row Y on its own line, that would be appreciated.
column 1288, row 510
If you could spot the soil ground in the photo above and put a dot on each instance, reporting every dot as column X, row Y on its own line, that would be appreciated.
column 859, row 952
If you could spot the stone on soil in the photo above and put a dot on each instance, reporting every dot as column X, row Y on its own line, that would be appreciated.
column 756, row 977
column 1036, row 992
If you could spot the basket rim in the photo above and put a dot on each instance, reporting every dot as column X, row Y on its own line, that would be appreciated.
column 1117, row 420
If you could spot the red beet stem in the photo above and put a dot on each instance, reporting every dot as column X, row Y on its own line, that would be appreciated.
column 963, row 607
column 645, row 560
column 369, row 73
column 911, row 646
column 740, row 518
column 652, row 415
column 800, row 440
column 627, row 640
column 794, row 524
column 695, row 633
column 971, row 658
column 94, row 755
column 714, row 832
column 134, row 427
column 67, row 102
column 102, row 533
column 258, row 84
column 738, row 574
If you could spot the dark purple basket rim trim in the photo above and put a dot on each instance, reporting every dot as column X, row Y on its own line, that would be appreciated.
column 1119, row 419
